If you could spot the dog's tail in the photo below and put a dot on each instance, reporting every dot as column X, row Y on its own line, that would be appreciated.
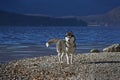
column 52, row 41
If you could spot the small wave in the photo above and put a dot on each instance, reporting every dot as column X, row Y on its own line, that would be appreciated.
column 16, row 47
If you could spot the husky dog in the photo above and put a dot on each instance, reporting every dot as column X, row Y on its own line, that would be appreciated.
column 64, row 47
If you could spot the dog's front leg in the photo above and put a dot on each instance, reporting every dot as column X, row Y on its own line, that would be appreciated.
column 71, row 58
column 67, row 57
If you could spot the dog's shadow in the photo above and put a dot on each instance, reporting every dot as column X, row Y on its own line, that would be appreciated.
column 102, row 62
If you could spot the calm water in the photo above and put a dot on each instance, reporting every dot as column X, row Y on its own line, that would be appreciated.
column 23, row 42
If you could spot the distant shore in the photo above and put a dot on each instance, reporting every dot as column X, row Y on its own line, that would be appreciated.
column 89, row 66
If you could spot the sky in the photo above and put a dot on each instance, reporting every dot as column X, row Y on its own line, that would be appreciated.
column 59, row 7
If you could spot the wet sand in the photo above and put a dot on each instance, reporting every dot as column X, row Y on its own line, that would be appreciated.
column 89, row 66
column 9, row 52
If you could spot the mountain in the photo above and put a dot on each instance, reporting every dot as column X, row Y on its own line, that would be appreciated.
column 14, row 19
column 111, row 18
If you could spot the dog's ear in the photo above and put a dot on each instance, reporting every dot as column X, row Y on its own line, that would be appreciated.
column 71, row 32
column 67, row 33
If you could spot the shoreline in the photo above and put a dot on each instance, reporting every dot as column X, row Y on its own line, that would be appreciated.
column 88, row 66
column 11, row 52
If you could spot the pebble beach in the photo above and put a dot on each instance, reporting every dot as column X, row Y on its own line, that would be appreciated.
column 87, row 66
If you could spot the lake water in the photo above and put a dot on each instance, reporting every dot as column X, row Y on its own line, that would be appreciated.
column 24, row 42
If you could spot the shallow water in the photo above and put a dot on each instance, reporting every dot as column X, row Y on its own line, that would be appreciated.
column 23, row 42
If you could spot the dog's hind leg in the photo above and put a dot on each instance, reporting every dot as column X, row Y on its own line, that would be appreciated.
column 59, row 57
column 67, row 57
column 62, row 57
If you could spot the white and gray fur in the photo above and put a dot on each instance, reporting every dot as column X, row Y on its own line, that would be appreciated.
column 64, row 47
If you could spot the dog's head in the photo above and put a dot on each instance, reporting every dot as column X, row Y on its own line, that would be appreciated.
column 69, row 37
